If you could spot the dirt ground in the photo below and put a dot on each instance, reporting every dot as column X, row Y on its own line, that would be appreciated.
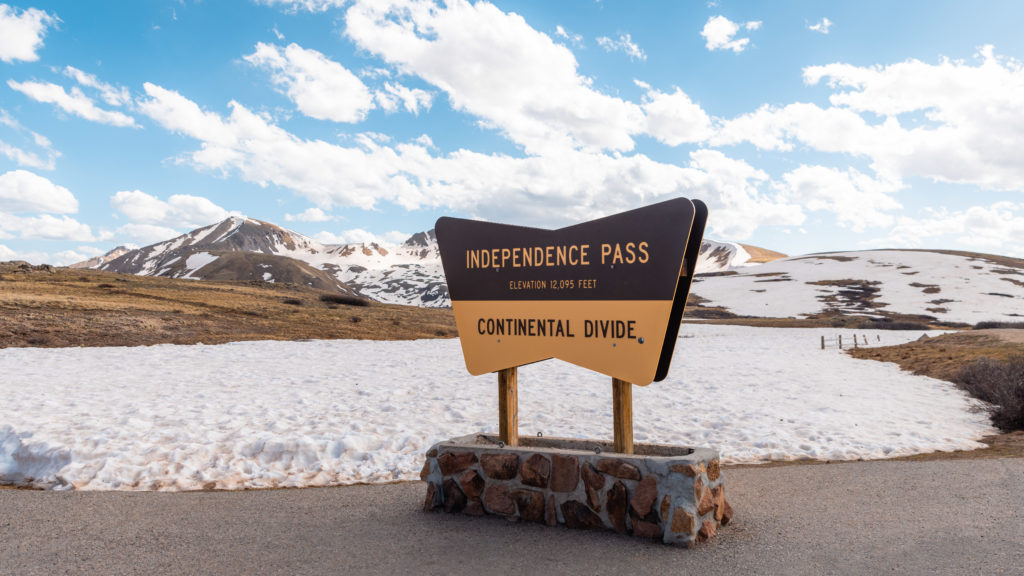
column 43, row 306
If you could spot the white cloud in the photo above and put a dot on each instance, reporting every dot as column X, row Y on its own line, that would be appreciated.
column 112, row 95
column 495, row 66
column 574, row 39
column 561, row 187
column 623, row 44
column 822, row 26
column 310, row 215
column 179, row 211
column 23, row 191
column 361, row 236
column 412, row 99
column 146, row 234
column 307, row 5
column 319, row 87
column 21, row 34
column 857, row 200
column 998, row 227
column 75, row 103
column 674, row 119
column 7, row 254
column 719, row 34
column 29, row 159
column 949, row 122
column 266, row 154
column 47, row 226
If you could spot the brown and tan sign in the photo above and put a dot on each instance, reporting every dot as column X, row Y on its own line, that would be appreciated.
column 607, row 295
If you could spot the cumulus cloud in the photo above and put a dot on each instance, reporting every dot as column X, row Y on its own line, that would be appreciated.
column 950, row 122
column 75, row 103
column 857, row 200
column 147, row 233
column 112, row 95
column 496, row 67
column 319, row 87
column 822, row 26
column 412, row 99
column 306, row 5
column 23, row 191
column 574, row 39
column 310, row 215
column 18, row 154
column 999, row 227
column 555, row 189
column 361, row 236
column 22, row 32
column 178, row 211
column 624, row 44
column 674, row 119
column 720, row 34
column 49, row 227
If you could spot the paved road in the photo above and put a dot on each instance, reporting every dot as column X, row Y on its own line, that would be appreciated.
column 938, row 517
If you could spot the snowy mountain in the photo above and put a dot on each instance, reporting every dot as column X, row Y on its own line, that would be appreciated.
column 99, row 260
column 237, row 249
column 410, row 273
column 945, row 286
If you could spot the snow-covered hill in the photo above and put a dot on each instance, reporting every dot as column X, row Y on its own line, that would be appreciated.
column 409, row 273
column 98, row 261
column 946, row 286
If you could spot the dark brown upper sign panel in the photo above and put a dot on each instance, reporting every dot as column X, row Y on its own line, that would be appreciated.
column 607, row 295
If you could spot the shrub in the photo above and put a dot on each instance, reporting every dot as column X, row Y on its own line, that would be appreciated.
column 994, row 324
column 293, row 301
column 344, row 299
column 891, row 325
column 1001, row 385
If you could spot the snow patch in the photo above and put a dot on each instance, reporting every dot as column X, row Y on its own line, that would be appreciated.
column 263, row 414
column 195, row 262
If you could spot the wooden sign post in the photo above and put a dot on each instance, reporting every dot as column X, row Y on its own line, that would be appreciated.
column 607, row 295
column 508, row 406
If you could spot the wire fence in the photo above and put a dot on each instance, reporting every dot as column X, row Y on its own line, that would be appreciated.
column 854, row 341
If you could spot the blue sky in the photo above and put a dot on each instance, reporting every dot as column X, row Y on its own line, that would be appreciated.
column 805, row 126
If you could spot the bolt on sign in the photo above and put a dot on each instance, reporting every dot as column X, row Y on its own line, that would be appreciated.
column 607, row 295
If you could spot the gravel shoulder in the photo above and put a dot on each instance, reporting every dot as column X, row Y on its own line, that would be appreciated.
column 931, row 517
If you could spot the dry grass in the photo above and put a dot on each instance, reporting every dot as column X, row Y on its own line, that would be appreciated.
column 65, row 307
column 762, row 255
column 944, row 356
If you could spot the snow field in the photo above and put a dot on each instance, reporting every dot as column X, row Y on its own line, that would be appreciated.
column 959, row 289
column 266, row 414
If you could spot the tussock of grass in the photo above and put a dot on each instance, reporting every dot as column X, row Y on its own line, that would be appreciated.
column 994, row 324
column 1001, row 385
column 345, row 299
column 886, row 324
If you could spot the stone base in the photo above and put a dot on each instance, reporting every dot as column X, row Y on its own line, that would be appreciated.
column 670, row 493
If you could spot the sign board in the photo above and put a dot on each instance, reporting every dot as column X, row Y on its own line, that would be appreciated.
column 607, row 295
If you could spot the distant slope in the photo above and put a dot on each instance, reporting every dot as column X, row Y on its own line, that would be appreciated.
column 100, row 260
column 947, row 287
column 410, row 273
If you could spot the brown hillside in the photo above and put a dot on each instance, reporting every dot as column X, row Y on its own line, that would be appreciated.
column 51, row 307
column 762, row 255
column 943, row 356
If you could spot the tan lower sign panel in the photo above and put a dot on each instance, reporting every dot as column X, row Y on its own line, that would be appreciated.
column 607, row 295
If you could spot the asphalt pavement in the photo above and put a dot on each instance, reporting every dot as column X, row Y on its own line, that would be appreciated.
column 933, row 517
